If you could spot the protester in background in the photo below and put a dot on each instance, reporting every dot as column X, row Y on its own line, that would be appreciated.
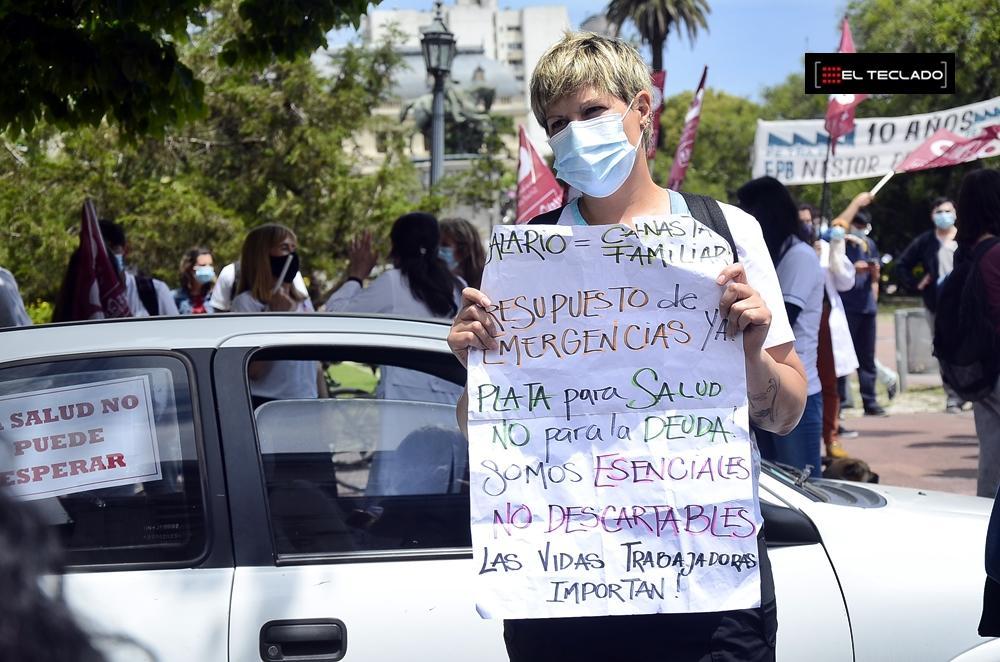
column 933, row 252
column 979, row 207
column 224, row 290
column 811, row 221
column 419, row 285
column 12, row 311
column 801, row 280
column 268, row 264
column 861, row 302
column 462, row 250
column 197, row 277
column 147, row 296
column 592, row 96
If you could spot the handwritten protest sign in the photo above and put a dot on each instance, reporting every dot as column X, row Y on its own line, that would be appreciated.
column 611, row 468
column 76, row 438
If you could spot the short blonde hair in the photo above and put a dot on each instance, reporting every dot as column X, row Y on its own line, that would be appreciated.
column 585, row 59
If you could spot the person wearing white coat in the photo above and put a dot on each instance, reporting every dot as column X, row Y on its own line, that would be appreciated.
column 836, row 357
column 420, row 285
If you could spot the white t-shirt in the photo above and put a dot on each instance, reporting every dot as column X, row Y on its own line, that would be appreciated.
column 285, row 380
column 802, row 281
column 12, row 312
column 164, row 297
column 752, row 253
column 225, row 285
column 390, row 293
column 946, row 258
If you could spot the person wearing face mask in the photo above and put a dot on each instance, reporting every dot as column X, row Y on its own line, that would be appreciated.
column 147, row 296
column 592, row 96
column 933, row 252
column 462, row 250
column 419, row 285
column 268, row 264
column 197, row 278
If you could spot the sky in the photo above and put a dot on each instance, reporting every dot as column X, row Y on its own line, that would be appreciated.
column 749, row 44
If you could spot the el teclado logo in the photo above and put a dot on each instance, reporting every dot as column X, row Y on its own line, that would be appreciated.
column 880, row 73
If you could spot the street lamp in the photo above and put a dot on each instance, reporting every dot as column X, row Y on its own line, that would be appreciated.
column 438, row 46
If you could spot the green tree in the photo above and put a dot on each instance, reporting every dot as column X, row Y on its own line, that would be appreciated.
column 721, row 159
column 655, row 18
column 75, row 63
column 278, row 145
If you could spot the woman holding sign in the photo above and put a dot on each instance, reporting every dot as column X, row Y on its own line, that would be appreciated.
column 592, row 95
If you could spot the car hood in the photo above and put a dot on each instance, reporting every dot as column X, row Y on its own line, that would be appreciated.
column 911, row 571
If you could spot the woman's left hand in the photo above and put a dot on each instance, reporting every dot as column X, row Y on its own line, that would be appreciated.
column 744, row 308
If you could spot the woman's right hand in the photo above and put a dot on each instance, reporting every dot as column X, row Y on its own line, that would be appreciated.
column 473, row 327
column 281, row 302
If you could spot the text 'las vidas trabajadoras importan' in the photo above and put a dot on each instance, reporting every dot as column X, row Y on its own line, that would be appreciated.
column 610, row 456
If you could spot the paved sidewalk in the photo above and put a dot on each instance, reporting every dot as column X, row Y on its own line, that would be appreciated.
column 917, row 445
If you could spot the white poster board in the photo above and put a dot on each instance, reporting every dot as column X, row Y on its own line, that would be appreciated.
column 793, row 151
column 76, row 438
column 610, row 459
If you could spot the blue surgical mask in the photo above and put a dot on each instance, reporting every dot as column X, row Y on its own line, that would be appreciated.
column 944, row 219
column 119, row 259
column 594, row 156
column 837, row 233
column 204, row 275
column 447, row 253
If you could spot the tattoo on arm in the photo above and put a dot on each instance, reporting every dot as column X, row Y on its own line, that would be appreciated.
column 763, row 403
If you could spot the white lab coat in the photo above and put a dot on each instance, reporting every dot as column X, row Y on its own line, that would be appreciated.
column 839, row 278
column 390, row 294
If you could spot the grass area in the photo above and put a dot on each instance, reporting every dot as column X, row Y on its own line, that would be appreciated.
column 888, row 305
column 353, row 375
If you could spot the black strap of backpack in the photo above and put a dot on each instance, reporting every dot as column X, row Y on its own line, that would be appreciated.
column 548, row 218
column 708, row 212
column 147, row 294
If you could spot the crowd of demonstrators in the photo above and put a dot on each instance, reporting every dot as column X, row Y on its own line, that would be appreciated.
column 801, row 280
column 933, row 253
column 197, row 276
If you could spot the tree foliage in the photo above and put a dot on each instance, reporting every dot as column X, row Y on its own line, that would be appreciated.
column 654, row 19
column 76, row 63
column 278, row 145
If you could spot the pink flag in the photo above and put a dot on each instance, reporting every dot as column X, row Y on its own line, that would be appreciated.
column 945, row 148
column 537, row 188
column 659, row 78
column 686, row 146
column 99, row 291
column 840, row 111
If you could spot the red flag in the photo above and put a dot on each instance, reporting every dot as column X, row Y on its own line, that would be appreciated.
column 840, row 111
column 537, row 188
column 659, row 78
column 945, row 148
column 99, row 292
column 686, row 146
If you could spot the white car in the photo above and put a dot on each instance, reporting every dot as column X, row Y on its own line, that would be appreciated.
column 318, row 530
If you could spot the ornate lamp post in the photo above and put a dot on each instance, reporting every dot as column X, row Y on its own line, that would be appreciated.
column 438, row 46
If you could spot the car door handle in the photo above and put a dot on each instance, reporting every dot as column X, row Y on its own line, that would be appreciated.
column 303, row 640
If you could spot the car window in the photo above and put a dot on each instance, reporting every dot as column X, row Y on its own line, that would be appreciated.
column 105, row 449
column 376, row 464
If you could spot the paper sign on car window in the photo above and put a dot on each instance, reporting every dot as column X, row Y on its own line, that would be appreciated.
column 77, row 438
column 611, row 462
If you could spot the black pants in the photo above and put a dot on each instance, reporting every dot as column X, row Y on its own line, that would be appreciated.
column 863, row 334
column 745, row 635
